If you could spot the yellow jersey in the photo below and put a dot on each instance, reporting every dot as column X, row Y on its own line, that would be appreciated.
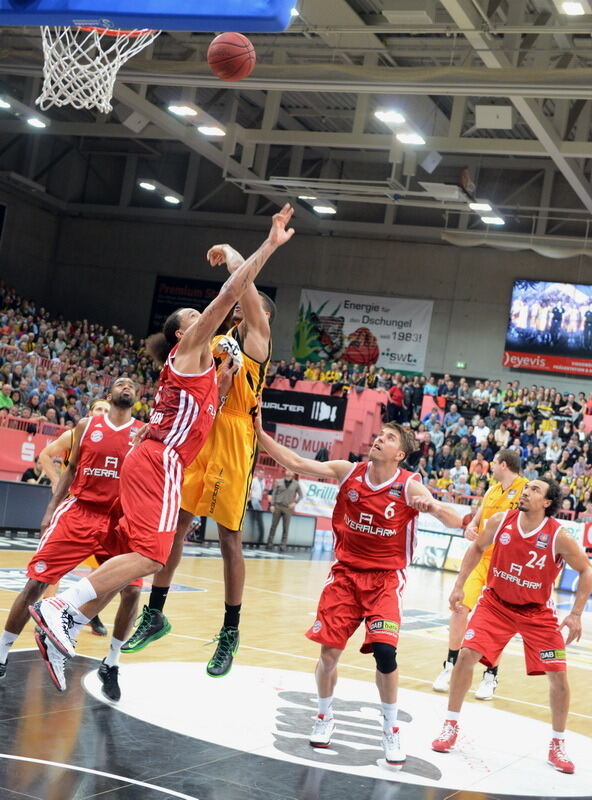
column 498, row 499
column 248, row 383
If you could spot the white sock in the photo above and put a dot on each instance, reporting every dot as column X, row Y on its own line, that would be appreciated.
column 112, row 657
column 452, row 716
column 6, row 641
column 389, row 711
column 82, row 592
column 325, row 704
column 558, row 734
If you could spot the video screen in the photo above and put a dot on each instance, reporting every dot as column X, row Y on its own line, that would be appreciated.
column 550, row 327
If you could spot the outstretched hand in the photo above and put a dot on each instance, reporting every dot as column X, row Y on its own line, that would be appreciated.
column 257, row 420
column 278, row 235
column 225, row 254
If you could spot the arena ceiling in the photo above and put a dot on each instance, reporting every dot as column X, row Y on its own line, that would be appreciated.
column 304, row 125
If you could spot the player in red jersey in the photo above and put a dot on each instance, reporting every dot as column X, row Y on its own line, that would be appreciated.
column 75, row 523
column 530, row 548
column 374, row 522
column 185, row 408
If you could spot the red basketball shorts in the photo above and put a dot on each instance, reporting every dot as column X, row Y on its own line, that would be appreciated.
column 494, row 623
column 353, row 596
column 150, row 494
column 74, row 533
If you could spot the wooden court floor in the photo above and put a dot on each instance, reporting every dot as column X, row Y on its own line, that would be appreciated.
column 279, row 604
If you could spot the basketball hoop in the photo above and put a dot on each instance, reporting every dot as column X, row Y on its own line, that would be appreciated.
column 81, row 64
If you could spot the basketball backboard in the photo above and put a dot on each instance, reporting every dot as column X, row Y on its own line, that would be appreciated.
column 187, row 15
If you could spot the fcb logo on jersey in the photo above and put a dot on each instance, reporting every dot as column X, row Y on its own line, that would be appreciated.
column 469, row 634
column 353, row 496
column 505, row 538
column 317, row 626
column 96, row 436
column 542, row 541
column 396, row 490
column 40, row 567
column 512, row 493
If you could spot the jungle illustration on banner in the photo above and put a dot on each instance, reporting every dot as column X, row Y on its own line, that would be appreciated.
column 390, row 332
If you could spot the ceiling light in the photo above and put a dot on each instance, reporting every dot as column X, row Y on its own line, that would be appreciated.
column 481, row 205
column 493, row 220
column 4, row 104
column 294, row 12
column 325, row 209
column 573, row 9
column 174, row 201
column 183, row 111
column 391, row 117
column 410, row 138
column 213, row 130
column 35, row 122
column 307, row 197
column 150, row 187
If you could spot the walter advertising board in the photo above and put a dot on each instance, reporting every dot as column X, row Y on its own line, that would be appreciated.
column 390, row 332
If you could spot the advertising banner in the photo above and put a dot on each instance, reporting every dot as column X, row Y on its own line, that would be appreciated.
column 18, row 450
column 318, row 499
column 305, row 441
column 550, row 327
column 390, row 332
column 304, row 409
column 171, row 293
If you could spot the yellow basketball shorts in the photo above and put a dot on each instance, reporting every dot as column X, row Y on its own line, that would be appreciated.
column 476, row 582
column 217, row 484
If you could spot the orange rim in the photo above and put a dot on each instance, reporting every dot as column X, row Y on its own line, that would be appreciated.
column 116, row 33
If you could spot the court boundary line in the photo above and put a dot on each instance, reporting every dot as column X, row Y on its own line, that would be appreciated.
column 364, row 669
column 89, row 771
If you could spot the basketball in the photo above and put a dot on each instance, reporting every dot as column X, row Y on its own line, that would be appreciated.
column 231, row 56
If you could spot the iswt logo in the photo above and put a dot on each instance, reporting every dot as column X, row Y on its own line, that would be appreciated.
column 323, row 411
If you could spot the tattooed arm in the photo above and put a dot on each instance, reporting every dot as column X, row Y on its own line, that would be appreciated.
column 197, row 337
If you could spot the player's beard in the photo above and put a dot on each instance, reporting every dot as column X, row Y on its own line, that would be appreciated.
column 123, row 402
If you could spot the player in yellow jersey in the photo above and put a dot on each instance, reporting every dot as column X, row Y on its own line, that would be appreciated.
column 503, row 496
column 218, row 483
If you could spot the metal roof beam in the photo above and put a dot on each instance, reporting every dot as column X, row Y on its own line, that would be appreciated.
column 464, row 15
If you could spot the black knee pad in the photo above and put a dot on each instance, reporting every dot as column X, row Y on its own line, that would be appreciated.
column 385, row 656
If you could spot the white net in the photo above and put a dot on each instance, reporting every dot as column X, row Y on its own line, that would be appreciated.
column 81, row 64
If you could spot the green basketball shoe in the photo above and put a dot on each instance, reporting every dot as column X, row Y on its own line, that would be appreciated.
column 153, row 626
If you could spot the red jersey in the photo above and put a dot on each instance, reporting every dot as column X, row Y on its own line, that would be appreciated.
column 524, row 566
column 374, row 526
column 185, row 409
column 101, row 451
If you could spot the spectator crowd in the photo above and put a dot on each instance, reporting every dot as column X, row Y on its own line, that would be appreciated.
column 52, row 368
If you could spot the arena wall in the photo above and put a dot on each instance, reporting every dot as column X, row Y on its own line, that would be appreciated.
column 105, row 270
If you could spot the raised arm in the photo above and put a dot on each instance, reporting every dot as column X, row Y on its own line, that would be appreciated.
column 298, row 464
column 577, row 559
column 421, row 499
column 194, row 346
column 254, row 328
column 55, row 449
column 473, row 557
column 67, row 476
